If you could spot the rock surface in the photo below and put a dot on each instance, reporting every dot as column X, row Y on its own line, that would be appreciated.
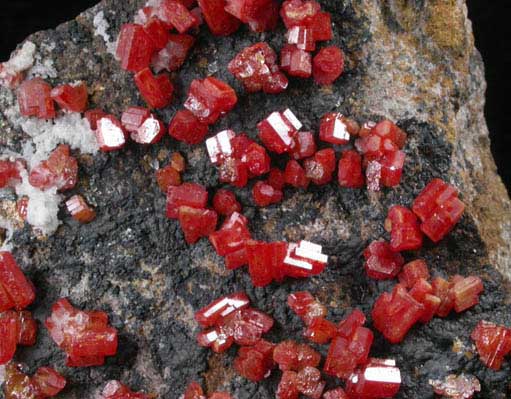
column 411, row 61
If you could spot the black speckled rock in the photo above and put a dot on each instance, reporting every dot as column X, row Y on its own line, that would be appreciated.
column 411, row 61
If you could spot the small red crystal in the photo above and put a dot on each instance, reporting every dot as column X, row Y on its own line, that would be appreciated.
column 299, row 12
column 246, row 326
column 389, row 130
column 166, row 177
column 309, row 382
column 320, row 168
column 27, row 328
column 257, row 160
column 216, row 311
column 71, row 97
column 255, row 362
column 187, row 194
column 493, row 343
column 381, row 261
column 305, row 145
column 266, row 19
column 265, row 195
column 133, row 117
column 34, row 99
column 295, row 176
column 157, row 90
column 304, row 259
column 320, row 330
column 194, row 391
column 16, row 290
column 80, row 210
column 296, row 62
column 301, row 37
column 225, row 202
column 110, row 134
column 134, row 48
column 443, row 290
column 290, row 355
column 322, row 27
column 149, row 132
column 404, row 228
column 174, row 54
column 9, row 172
column 335, row 128
column 9, row 333
column 187, row 128
column 45, row 383
column 158, row 32
column 265, row 261
column 466, row 293
column 306, row 306
column 60, row 170
column 117, row 390
column 348, row 326
column 196, row 223
column 394, row 314
column 232, row 236
column 247, row 10
column 278, row 130
column 413, row 271
column 350, row 170
column 287, row 388
column 233, row 171
column 220, row 22
column 276, row 179
column 93, row 115
column 376, row 380
column 174, row 13
column 48, row 382
column 327, row 65
column 337, row 393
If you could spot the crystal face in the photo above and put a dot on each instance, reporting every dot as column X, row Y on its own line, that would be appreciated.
column 296, row 62
column 174, row 13
column 157, row 90
column 196, row 223
column 219, row 146
column 335, row 128
column 301, row 37
column 110, row 134
column 225, row 202
column 493, row 343
column 60, row 170
column 71, row 97
column 80, row 210
column 381, row 261
column 16, row 291
column 264, row 194
column 219, row 21
column 149, row 132
column 187, row 128
column 216, row 311
column 327, row 65
column 291, row 355
column 187, row 194
column 45, row 383
column 34, row 99
column 404, row 228
column 134, row 48
column 350, row 170
column 377, row 379
column 278, row 130
column 173, row 55
column 414, row 271
column 306, row 306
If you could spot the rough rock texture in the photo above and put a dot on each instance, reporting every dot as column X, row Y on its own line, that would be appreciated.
column 413, row 61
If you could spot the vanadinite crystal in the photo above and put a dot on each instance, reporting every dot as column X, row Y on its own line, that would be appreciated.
column 394, row 314
column 335, row 128
column 149, row 132
column 93, row 116
column 229, row 241
column 255, row 362
column 134, row 47
column 350, row 170
column 187, row 128
column 291, row 355
column 278, row 130
column 404, row 228
column 256, row 67
column 327, row 65
column 216, row 311
column 381, row 261
column 45, row 383
column 34, row 99
column 117, row 390
column 264, row 194
column 71, row 97
column 413, row 271
column 320, row 168
column 225, row 202
column 305, row 145
column 209, row 99
column 337, row 393
column 261, row 15
column 157, row 90
column 157, row 31
column 439, row 209
column 295, row 62
column 187, row 194
column 194, row 391
column 10, row 172
column 16, row 291
column 456, row 386
column 166, row 177
column 320, row 330
column 60, row 170
column 196, row 223
column 80, row 210
column 86, row 337
column 493, row 343
column 110, row 133
column 378, row 379
column 299, row 12
column 301, row 37
column 306, row 306
column 304, row 259
column 175, row 13
column 219, row 21
column 295, row 175
column 174, row 54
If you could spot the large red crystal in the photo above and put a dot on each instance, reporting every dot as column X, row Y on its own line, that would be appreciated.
column 350, row 170
column 256, row 67
column 493, row 343
column 404, row 228
column 278, row 130
column 117, row 390
column 157, row 90
column 378, row 379
column 158, row 32
column 225, row 202
column 466, row 293
column 209, row 99
column 16, row 291
column 219, row 21
column 304, row 259
column 134, row 47
column 86, row 337
column 439, row 209
column 215, row 312
column 320, row 330
column 327, row 65
column 71, row 97
column 60, row 170
column 34, row 99
column 265, row 261
column 248, row 11
column 80, row 210
column 93, row 116
column 381, row 261
column 287, row 388
column 305, row 145
column 187, row 194
column 309, row 382
column 173, row 55
column 230, row 240
column 394, row 314
column 110, row 134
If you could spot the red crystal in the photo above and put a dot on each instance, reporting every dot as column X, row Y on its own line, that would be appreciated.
column 156, row 90
column 45, row 383
column 232, row 236
column 493, row 343
column 376, row 380
column 290, row 355
column 265, row 261
column 233, row 171
column 266, row 19
column 350, row 170
column 220, row 146
column 287, row 388
column 456, row 386
column 320, row 168
column 466, row 293
column 15, row 289
column 265, row 195
column 84, row 336
column 381, row 261
column 187, row 128
column 158, row 32
column 335, row 128
column 327, row 65
column 34, row 99
column 404, row 228
column 301, row 37
column 214, row 313
column 134, row 117
column 255, row 362
column 389, row 130
column 117, row 390
column 80, row 210
column 305, row 145
column 92, row 116
column 278, row 130
column 209, row 99
column 246, row 326
column 174, row 13
column 110, row 134
column 196, row 223
column 9, row 173
column 216, row 339
column 48, row 382
column 27, row 328
column 413, row 271
column 298, row 12
column 304, row 259
column 394, row 314
column 166, row 177
column 256, row 67
column 257, row 160
column 337, row 393
column 439, row 209
column 134, row 47
column 296, row 62
column 322, row 27
column 306, row 306
column 9, row 333
column 295, row 176
column 173, row 55
column 194, row 391
column 149, row 132
column 320, row 330
column 220, row 22
column 247, row 10
column 60, row 170
column 309, row 382
column 71, row 97
column 350, row 324
column 187, row 194
column 225, row 202
column 276, row 179
column 177, row 161
column 442, row 289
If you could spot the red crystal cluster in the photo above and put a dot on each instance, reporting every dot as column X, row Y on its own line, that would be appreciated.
column 493, row 343
column 117, row 390
column 45, row 383
column 60, row 170
column 414, row 300
column 194, row 391
column 86, row 337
